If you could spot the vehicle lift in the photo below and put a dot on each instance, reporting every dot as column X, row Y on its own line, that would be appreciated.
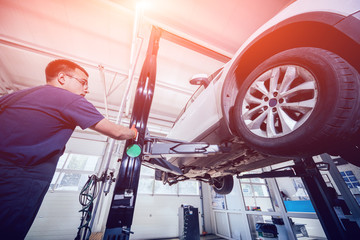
column 144, row 147
column 150, row 151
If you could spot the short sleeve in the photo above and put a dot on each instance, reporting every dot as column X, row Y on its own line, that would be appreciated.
column 82, row 113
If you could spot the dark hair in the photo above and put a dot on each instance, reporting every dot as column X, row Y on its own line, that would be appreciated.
column 61, row 65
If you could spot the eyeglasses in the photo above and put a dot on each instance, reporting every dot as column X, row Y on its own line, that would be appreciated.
column 82, row 81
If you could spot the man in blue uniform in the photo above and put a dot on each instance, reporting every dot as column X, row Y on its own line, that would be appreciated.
column 35, row 125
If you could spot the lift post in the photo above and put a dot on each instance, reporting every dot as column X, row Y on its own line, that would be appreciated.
column 320, row 198
column 121, row 212
column 308, row 171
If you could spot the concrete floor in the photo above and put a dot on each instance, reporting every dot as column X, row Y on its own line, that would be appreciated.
column 206, row 237
column 98, row 236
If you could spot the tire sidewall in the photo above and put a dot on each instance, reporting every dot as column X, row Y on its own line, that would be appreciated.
column 312, row 129
column 227, row 185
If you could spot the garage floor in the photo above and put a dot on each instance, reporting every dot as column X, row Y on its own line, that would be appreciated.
column 98, row 236
column 207, row 237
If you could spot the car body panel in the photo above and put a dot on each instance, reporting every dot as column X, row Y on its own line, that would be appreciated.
column 200, row 114
column 304, row 23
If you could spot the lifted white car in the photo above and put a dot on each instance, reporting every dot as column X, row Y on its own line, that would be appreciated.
column 291, row 90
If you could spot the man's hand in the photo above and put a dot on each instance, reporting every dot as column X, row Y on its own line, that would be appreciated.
column 135, row 130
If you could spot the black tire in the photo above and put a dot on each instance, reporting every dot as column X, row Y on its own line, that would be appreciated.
column 270, row 118
column 223, row 185
column 351, row 154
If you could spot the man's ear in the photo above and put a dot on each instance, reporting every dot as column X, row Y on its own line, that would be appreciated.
column 61, row 78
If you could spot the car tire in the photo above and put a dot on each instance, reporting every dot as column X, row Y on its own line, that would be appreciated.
column 351, row 154
column 313, row 104
column 223, row 185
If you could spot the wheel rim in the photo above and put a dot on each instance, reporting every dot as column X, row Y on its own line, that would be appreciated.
column 219, row 182
column 279, row 101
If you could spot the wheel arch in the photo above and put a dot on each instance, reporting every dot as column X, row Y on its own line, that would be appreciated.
column 321, row 30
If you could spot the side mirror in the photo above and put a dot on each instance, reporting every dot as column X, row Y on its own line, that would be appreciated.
column 200, row 79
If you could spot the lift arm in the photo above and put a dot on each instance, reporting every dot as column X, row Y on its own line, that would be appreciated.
column 164, row 147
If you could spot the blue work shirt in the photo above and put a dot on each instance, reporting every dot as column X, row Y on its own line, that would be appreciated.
column 35, row 128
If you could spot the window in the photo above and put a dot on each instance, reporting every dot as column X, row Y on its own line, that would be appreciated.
column 216, row 75
column 161, row 188
column 148, row 185
column 188, row 187
column 73, row 170
column 256, row 195
column 190, row 101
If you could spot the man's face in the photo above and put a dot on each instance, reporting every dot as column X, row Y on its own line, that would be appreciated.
column 76, row 82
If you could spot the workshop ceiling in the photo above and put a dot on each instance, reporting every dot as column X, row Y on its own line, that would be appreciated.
column 100, row 32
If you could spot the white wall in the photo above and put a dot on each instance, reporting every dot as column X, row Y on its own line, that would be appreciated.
column 209, row 225
column 58, row 217
column 154, row 217
column 157, row 216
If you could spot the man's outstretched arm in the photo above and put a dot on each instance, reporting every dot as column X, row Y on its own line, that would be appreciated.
column 113, row 130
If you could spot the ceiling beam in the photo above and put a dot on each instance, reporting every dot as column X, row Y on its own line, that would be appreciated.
column 194, row 46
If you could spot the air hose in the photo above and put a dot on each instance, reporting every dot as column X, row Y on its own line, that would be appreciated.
column 87, row 195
